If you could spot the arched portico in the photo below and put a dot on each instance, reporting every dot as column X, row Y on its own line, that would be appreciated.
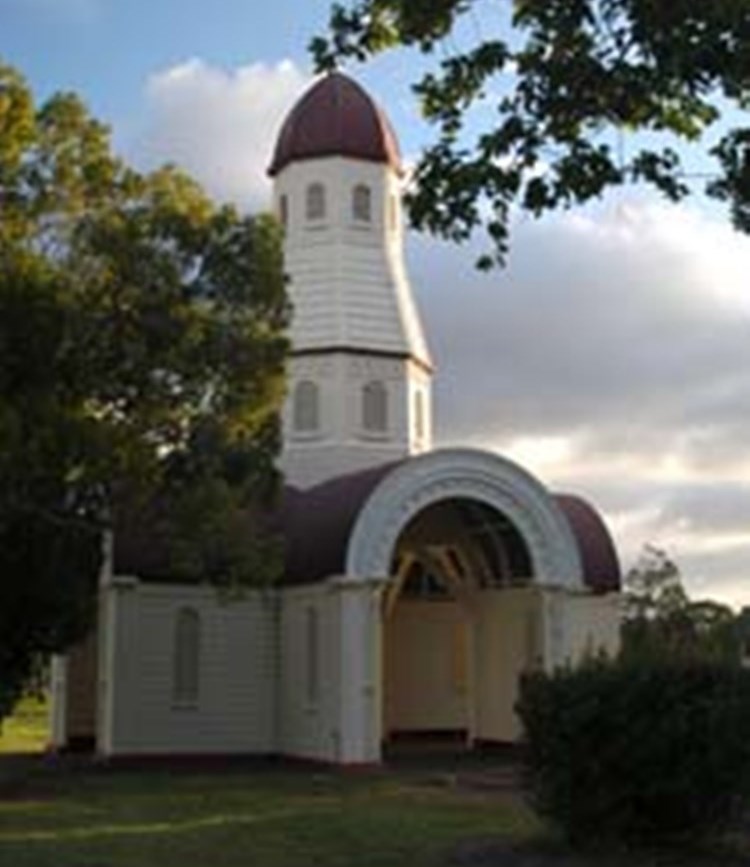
column 491, row 539
column 472, row 475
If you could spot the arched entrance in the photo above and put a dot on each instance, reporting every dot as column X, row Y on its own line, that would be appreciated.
column 462, row 590
column 466, row 548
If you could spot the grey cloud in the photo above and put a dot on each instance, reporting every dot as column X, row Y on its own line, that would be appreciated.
column 629, row 336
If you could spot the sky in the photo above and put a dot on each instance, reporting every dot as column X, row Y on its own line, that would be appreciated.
column 611, row 356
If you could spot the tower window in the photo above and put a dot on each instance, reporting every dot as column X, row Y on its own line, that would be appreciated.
column 315, row 203
column 313, row 652
column 284, row 210
column 306, row 411
column 362, row 203
column 186, row 659
column 375, row 407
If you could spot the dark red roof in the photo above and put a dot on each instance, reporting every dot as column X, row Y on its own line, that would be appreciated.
column 335, row 117
column 316, row 525
column 601, row 567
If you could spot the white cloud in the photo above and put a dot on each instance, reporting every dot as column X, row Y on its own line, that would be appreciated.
column 612, row 357
column 218, row 125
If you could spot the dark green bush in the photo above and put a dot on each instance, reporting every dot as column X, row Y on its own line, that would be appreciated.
column 637, row 752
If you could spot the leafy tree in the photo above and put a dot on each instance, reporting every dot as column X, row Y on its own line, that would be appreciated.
column 661, row 621
column 141, row 356
column 556, row 82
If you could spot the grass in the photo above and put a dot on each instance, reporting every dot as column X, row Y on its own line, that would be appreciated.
column 269, row 817
column 27, row 731
column 73, row 814
column 81, row 816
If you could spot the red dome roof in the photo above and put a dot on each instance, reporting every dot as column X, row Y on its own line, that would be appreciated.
column 335, row 117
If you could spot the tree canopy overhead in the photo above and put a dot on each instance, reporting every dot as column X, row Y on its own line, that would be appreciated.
column 556, row 87
column 142, row 351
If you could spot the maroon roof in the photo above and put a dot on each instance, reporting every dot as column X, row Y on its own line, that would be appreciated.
column 335, row 117
column 317, row 523
column 601, row 567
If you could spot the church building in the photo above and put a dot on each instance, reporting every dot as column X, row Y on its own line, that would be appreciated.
column 419, row 583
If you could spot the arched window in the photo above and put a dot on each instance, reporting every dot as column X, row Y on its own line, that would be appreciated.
column 306, row 411
column 284, row 210
column 315, row 203
column 375, row 407
column 312, row 647
column 362, row 203
column 187, row 654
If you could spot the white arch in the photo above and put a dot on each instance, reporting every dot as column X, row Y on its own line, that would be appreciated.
column 467, row 474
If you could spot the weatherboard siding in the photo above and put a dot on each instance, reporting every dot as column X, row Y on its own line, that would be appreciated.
column 234, row 711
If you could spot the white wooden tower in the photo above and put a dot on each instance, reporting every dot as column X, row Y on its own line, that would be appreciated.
column 359, row 390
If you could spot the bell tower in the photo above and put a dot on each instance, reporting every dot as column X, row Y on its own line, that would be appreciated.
column 360, row 371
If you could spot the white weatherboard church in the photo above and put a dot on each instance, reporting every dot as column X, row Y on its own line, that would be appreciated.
column 419, row 583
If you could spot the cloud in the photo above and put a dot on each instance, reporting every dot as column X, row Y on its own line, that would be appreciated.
column 218, row 125
column 612, row 357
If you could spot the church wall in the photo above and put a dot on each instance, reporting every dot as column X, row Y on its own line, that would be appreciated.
column 309, row 673
column 425, row 643
column 342, row 444
column 234, row 709
column 507, row 641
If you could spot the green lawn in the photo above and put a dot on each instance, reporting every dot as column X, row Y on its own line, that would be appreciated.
column 27, row 731
column 75, row 814
column 267, row 818
column 274, row 817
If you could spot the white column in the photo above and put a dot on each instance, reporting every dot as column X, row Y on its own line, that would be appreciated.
column 360, row 687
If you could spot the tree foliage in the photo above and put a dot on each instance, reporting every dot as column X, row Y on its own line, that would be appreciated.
column 662, row 622
column 141, row 351
column 638, row 751
column 555, row 86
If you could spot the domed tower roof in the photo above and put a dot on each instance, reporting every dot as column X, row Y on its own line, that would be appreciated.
column 336, row 117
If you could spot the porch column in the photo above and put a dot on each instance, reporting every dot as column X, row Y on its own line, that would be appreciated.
column 360, row 690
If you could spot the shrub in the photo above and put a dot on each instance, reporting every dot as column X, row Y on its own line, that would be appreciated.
column 637, row 752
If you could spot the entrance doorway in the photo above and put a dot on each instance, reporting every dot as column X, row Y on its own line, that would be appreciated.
column 456, row 625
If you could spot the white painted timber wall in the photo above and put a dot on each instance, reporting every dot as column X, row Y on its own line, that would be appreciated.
column 341, row 444
column 507, row 641
column 426, row 667
column 347, row 283
column 308, row 717
column 339, row 720
column 235, row 710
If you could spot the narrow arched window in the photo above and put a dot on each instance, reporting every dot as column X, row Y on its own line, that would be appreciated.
column 375, row 407
column 312, row 648
column 362, row 203
column 284, row 210
column 187, row 654
column 306, row 410
column 315, row 202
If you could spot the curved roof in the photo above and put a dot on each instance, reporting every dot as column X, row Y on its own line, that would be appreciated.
column 317, row 524
column 336, row 117
column 601, row 567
